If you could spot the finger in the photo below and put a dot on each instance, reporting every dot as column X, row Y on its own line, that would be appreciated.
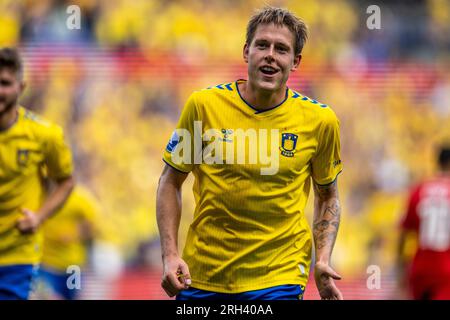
column 185, row 272
column 335, row 293
column 26, row 212
column 24, row 223
column 21, row 221
column 25, row 229
column 168, row 291
column 21, row 224
column 174, row 282
column 333, row 274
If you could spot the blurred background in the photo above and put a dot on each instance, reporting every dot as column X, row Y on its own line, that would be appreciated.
column 117, row 86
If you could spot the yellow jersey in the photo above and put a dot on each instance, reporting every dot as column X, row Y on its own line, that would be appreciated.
column 252, row 174
column 64, row 243
column 25, row 148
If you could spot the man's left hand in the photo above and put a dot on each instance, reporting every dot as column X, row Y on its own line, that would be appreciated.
column 325, row 276
column 29, row 223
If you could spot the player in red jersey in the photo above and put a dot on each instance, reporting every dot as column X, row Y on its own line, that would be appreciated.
column 428, row 215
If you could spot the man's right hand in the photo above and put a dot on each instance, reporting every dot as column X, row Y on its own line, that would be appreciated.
column 176, row 276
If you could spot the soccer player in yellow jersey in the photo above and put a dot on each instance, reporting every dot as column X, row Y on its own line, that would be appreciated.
column 254, row 147
column 27, row 145
column 67, row 236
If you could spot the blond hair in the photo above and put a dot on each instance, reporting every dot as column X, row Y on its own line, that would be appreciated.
column 280, row 17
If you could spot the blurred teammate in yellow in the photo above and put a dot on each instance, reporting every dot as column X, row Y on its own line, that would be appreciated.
column 254, row 147
column 67, row 237
column 27, row 145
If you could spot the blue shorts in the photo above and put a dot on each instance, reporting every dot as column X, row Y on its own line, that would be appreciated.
column 57, row 281
column 284, row 292
column 16, row 281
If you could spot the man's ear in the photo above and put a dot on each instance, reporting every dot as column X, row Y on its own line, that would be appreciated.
column 245, row 53
column 297, row 60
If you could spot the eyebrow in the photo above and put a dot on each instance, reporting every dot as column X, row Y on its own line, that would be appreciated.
column 279, row 44
column 276, row 43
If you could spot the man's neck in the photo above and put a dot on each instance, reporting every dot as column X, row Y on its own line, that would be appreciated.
column 8, row 118
column 260, row 99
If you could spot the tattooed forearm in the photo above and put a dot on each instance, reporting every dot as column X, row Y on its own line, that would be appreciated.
column 321, row 225
column 333, row 209
column 324, row 192
column 324, row 239
column 326, row 219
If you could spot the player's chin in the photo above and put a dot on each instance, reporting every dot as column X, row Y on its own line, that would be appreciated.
column 269, row 84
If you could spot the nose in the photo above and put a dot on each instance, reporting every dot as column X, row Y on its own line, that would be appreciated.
column 269, row 55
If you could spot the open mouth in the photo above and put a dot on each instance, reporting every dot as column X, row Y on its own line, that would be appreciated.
column 268, row 70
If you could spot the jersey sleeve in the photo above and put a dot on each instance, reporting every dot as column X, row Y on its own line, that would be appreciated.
column 411, row 218
column 327, row 164
column 180, row 150
column 58, row 157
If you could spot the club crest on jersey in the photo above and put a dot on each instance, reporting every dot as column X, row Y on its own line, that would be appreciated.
column 288, row 144
column 22, row 157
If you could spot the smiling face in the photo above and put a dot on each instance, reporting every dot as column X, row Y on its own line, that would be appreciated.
column 270, row 57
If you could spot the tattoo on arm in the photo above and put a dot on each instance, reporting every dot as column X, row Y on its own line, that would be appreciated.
column 324, row 239
column 325, row 192
column 327, row 216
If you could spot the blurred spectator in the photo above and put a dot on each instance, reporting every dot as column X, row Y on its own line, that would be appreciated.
column 67, row 239
column 45, row 22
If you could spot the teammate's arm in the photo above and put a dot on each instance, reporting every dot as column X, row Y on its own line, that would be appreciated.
column 327, row 213
column 402, row 262
column 176, row 275
column 32, row 220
